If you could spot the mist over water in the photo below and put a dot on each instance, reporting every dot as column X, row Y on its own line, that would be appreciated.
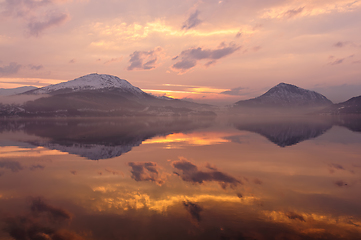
column 231, row 177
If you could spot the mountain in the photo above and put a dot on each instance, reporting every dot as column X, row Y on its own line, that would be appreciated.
column 100, row 95
column 351, row 106
column 286, row 96
column 14, row 91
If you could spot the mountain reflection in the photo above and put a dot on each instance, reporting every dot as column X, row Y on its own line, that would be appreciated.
column 286, row 132
column 101, row 139
column 353, row 123
column 97, row 139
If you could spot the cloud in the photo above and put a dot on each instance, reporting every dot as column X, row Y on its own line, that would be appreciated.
column 295, row 216
column 257, row 181
column 191, row 173
column 339, row 60
column 35, row 67
column 144, row 60
column 33, row 10
column 36, row 167
column 336, row 166
column 145, row 171
column 293, row 12
column 112, row 171
column 235, row 91
column 340, row 183
column 12, row 68
column 38, row 206
column 113, row 60
column 238, row 35
column 256, row 48
column 36, row 27
column 340, row 44
column 192, row 21
column 189, row 58
column 11, row 165
column 194, row 209
column 22, row 8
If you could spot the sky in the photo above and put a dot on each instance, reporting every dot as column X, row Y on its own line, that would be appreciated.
column 214, row 51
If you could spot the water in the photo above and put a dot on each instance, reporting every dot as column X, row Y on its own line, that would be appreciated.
column 224, row 178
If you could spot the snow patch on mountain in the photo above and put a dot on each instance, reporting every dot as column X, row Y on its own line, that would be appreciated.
column 93, row 81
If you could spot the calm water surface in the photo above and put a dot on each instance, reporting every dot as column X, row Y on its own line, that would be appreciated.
column 224, row 178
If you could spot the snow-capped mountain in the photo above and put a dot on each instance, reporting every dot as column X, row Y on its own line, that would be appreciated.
column 286, row 95
column 14, row 91
column 102, row 95
column 92, row 81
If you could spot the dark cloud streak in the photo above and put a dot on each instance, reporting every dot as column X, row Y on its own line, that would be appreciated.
column 144, row 60
column 235, row 91
column 31, row 11
column 36, row 27
column 293, row 12
column 192, row 21
column 189, row 58
column 12, row 68
column 35, row 67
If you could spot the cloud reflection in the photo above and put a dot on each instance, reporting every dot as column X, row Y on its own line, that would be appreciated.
column 145, row 171
column 194, row 209
column 44, row 222
column 191, row 173
column 11, row 165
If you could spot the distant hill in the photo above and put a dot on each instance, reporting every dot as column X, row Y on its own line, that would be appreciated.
column 285, row 96
column 351, row 106
column 101, row 95
column 14, row 91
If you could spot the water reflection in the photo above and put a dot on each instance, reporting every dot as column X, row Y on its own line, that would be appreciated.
column 190, row 179
column 100, row 139
column 286, row 132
